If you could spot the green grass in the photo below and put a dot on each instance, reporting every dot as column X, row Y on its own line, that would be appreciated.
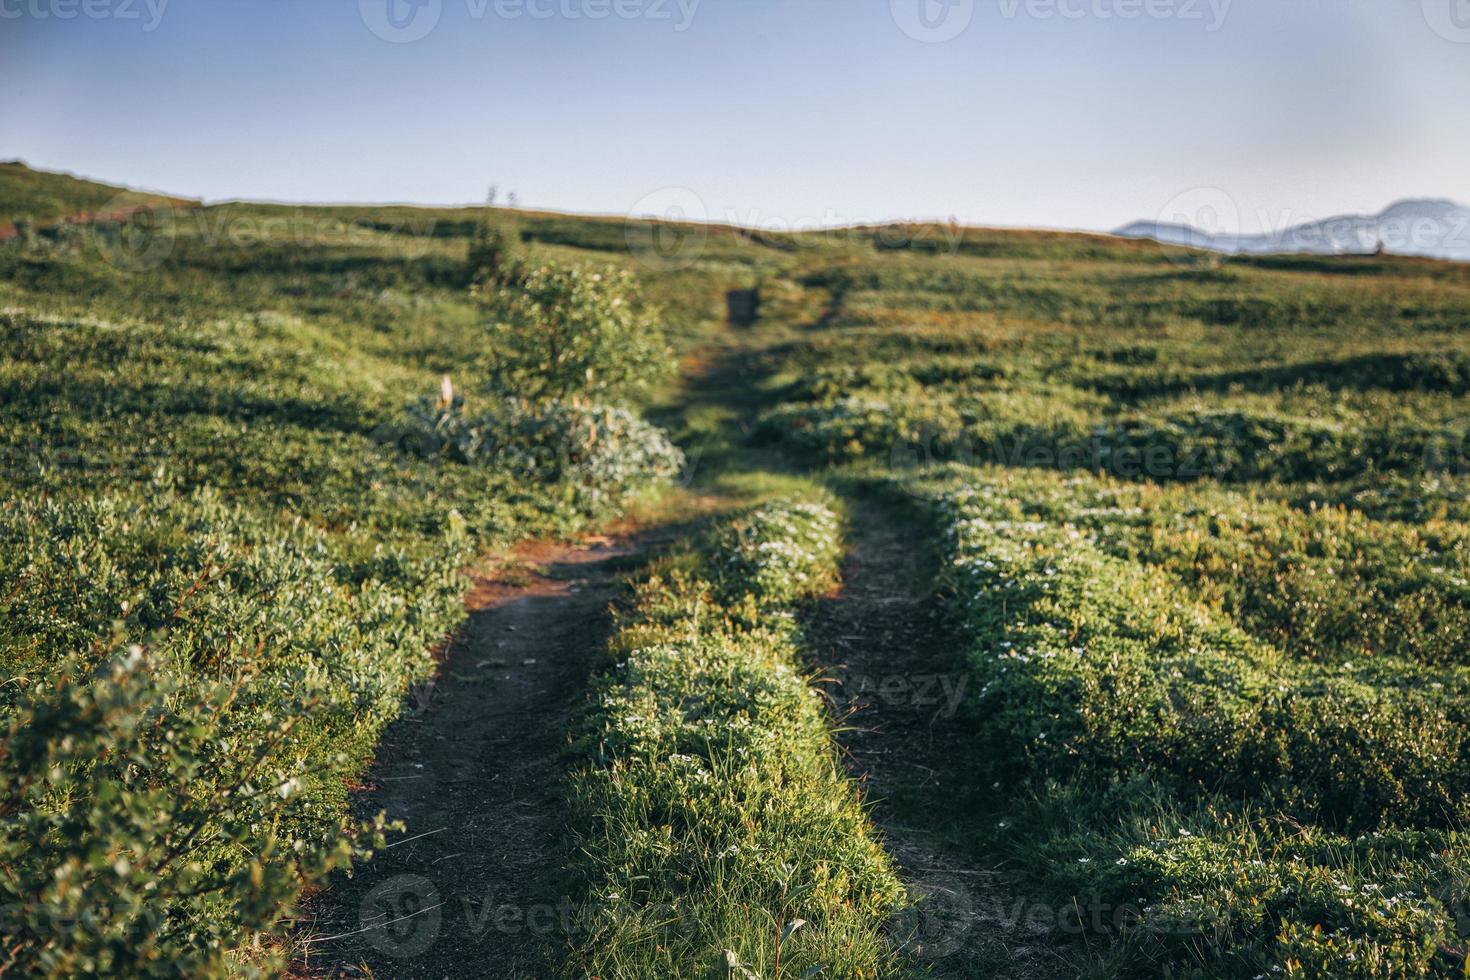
column 1206, row 571
column 1237, row 486
column 221, row 565
column 713, row 829
column 42, row 197
column 1090, row 660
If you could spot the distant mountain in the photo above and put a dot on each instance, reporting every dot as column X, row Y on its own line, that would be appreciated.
column 1425, row 227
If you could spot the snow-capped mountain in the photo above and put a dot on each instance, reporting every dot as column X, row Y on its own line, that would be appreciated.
column 1424, row 227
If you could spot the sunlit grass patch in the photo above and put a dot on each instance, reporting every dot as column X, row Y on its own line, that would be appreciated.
column 712, row 826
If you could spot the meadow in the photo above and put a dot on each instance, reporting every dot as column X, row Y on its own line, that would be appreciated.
column 1195, row 532
column 1202, row 529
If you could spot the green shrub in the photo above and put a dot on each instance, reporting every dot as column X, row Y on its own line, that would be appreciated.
column 1088, row 661
column 1244, row 812
column 145, row 831
column 1208, row 890
column 221, row 490
column 577, row 336
column 1325, row 583
column 598, row 454
column 496, row 253
column 159, row 805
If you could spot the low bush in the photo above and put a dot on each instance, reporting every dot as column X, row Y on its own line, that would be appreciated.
column 187, row 687
column 1042, row 426
column 1324, row 583
column 1088, row 660
column 1248, row 811
column 218, row 577
column 569, row 334
column 598, row 455
column 1207, row 889
column 496, row 255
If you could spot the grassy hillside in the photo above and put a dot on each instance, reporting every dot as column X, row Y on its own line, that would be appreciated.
column 1206, row 570
column 42, row 197
column 229, row 545
column 1204, row 526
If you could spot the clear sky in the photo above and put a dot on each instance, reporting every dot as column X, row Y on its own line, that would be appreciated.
column 1060, row 113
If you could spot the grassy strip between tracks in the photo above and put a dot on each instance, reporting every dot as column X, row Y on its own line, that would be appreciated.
column 713, row 828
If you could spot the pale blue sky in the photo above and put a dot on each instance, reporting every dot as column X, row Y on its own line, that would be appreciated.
column 769, row 111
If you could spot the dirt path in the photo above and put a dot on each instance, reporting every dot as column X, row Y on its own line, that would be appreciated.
column 897, row 687
column 472, row 769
